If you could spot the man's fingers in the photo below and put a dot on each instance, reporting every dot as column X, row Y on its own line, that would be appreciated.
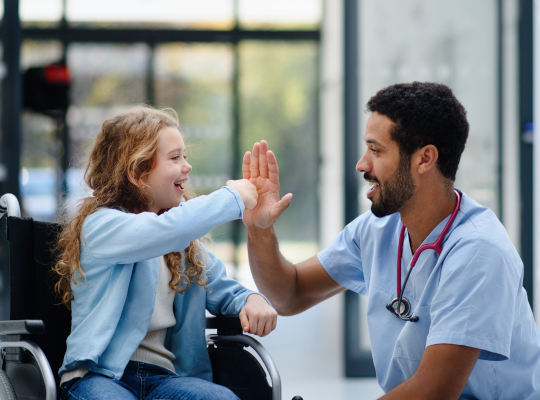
column 254, row 165
column 281, row 205
column 246, row 172
column 263, row 163
column 273, row 169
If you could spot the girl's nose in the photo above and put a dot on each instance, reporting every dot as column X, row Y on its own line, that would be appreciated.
column 187, row 167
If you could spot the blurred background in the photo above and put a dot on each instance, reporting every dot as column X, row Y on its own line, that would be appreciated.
column 296, row 73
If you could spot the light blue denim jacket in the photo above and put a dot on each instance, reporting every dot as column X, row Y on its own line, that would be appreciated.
column 114, row 300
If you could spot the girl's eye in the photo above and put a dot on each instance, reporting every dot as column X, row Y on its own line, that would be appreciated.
column 185, row 157
column 176, row 157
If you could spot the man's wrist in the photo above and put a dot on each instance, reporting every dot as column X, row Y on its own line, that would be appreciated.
column 255, row 233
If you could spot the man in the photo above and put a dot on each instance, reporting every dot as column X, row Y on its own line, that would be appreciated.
column 462, row 327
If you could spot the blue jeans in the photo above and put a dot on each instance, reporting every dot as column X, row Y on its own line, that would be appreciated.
column 143, row 381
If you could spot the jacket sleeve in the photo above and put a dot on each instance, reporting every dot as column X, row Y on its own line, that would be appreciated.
column 225, row 296
column 119, row 237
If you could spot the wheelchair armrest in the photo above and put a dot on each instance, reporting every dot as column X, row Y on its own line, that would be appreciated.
column 22, row 327
column 226, row 325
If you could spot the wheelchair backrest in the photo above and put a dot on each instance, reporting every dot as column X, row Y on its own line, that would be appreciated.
column 31, row 259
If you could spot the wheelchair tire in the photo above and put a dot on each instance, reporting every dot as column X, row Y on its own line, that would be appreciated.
column 6, row 390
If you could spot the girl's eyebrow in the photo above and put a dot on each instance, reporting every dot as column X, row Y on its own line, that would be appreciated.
column 176, row 150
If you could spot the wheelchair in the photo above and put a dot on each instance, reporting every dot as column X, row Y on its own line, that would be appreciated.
column 27, row 366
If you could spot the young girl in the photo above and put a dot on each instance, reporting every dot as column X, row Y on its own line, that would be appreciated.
column 135, row 276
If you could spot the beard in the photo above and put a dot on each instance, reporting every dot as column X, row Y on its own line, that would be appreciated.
column 396, row 191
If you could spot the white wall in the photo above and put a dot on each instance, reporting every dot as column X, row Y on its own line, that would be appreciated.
column 331, row 189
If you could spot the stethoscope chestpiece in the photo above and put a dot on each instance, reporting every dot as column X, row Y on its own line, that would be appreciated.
column 404, row 307
column 401, row 308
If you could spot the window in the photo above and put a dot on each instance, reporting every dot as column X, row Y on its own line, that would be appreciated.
column 217, row 83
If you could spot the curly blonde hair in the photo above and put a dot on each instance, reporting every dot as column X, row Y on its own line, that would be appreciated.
column 123, row 155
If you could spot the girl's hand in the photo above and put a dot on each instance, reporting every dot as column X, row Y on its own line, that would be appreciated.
column 247, row 191
column 257, row 316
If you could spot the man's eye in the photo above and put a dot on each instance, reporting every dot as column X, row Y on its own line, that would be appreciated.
column 374, row 151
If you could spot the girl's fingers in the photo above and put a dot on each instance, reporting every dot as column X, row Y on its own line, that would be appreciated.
column 255, row 326
column 244, row 322
column 267, row 328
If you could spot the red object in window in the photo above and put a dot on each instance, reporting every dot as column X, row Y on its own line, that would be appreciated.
column 57, row 74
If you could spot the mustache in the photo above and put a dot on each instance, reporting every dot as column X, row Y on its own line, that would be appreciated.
column 369, row 177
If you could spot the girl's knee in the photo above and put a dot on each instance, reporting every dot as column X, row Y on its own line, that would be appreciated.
column 223, row 393
column 95, row 387
column 218, row 392
column 192, row 389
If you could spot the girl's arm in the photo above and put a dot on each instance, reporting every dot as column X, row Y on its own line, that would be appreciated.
column 118, row 237
column 226, row 296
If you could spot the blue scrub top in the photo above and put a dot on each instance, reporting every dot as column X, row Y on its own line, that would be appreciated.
column 470, row 295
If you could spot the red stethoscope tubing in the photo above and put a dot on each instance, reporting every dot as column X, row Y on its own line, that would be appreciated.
column 436, row 245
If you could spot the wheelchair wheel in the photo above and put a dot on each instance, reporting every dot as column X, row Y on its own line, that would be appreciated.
column 6, row 390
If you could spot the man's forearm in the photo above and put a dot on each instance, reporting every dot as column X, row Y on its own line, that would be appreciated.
column 442, row 374
column 415, row 388
column 412, row 389
column 274, row 275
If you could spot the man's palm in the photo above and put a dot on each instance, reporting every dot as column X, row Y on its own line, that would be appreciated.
column 261, row 168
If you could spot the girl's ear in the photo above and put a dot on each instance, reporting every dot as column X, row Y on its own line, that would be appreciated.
column 131, row 178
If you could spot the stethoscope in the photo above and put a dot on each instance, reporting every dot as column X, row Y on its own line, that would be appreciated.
column 401, row 303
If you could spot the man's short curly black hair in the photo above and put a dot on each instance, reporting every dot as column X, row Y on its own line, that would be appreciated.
column 425, row 113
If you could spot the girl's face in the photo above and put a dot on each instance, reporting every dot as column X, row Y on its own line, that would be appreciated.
column 168, row 177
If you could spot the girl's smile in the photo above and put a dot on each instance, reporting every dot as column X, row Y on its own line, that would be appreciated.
column 180, row 186
column 168, row 177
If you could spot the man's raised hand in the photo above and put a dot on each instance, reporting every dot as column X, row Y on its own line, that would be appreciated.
column 261, row 168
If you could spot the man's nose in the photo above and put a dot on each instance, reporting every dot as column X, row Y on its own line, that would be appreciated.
column 363, row 165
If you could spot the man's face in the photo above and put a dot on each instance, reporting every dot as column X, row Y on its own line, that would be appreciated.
column 388, row 173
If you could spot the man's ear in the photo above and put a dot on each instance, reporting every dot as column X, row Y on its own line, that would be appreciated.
column 426, row 158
